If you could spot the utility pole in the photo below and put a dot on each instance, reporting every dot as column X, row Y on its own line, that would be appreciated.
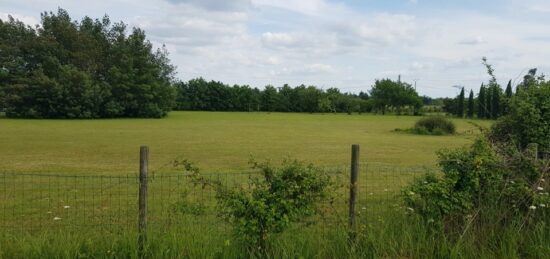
column 415, row 83
column 399, row 78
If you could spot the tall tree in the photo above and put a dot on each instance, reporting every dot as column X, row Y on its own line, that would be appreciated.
column 509, row 92
column 489, row 102
column 495, row 102
column 460, row 109
column 481, row 102
column 470, row 112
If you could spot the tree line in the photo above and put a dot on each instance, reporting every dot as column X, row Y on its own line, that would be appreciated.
column 81, row 69
column 386, row 95
column 93, row 68
column 492, row 102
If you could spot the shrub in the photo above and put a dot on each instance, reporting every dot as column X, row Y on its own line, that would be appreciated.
column 434, row 125
column 281, row 196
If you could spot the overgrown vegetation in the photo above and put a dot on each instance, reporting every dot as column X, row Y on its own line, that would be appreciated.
column 434, row 125
column 499, row 183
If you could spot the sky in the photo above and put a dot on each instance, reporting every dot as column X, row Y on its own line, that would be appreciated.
column 328, row 43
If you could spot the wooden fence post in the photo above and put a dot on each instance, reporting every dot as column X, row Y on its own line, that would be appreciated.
column 353, row 189
column 142, row 203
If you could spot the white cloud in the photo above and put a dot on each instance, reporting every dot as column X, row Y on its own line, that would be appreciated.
column 29, row 20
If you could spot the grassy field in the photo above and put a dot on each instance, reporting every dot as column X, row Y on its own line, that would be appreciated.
column 216, row 141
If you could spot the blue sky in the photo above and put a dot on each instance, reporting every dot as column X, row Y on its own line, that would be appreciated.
column 329, row 43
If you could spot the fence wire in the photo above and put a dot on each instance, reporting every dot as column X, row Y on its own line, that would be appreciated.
column 35, row 202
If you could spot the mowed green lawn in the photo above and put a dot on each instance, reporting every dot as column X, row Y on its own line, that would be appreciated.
column 216, row 141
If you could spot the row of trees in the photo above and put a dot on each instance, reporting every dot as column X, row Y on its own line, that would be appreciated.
column 385, row 95
column 81, row 69
column 201, row 95
column 492, row 102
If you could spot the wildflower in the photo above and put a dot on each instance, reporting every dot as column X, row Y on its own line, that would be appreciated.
column 411, row 193
column 540, row 188
column 364, row 208
column 56, row 218
column 542, row 180
column 425, row 182
column 512, row 182
column 542, row 205
column 66, row 207
column 532, row 207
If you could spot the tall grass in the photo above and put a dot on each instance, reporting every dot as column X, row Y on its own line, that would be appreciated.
column 393, row 235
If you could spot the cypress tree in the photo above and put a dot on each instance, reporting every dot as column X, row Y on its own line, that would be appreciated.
column 481, row 102
column 460, row 110
column 495, row 98
column 471, row 104
column 509, row 89
column 489, row 102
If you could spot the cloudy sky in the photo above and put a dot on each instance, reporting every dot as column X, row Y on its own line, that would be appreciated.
column 328, row 43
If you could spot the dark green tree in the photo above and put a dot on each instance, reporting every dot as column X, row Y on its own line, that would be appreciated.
column 481, row 102
column 508, row 91
column 470, row 112
column 460, row 103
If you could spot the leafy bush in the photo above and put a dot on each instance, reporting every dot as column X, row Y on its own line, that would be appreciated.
column 282, row 196
column 434, row 125
column 482, row 184
column 501, row 179
column 528, row 118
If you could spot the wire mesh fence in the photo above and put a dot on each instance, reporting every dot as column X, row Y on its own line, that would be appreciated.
column 35, row 202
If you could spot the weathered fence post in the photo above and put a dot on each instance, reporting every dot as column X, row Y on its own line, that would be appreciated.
column 142, row 203
column 353, row 189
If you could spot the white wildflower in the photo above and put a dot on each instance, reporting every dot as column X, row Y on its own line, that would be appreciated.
column 66, row 207
column 56, row 218
column 542, row 180
column 425, row 182
column 540, row 188
column 411, row 193
column 532, row 207
column 542, row 205
column 512, row 182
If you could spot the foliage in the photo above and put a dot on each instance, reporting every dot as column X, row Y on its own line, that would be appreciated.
column 434, row 125
column 482, row 104
column 387, row 94
column 471, row 110
column 460, row 109
column 85, row 69
column 500, row 178
column 480, row 184
column 528, row 118
column 201, row 95
column 280, row 197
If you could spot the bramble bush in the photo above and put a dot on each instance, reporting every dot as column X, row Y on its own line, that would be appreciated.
column 500, row 180
column 281, row 196
column 434, row 125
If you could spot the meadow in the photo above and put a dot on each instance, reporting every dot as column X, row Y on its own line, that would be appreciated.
column 89, row 185
column 216, row 141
